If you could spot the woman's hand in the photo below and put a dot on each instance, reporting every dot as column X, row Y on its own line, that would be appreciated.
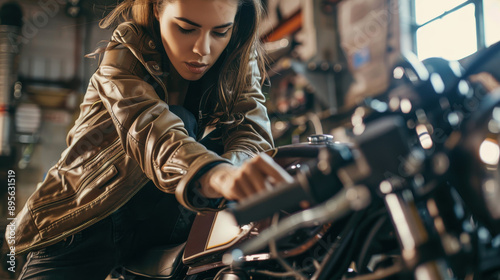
column 237, row 183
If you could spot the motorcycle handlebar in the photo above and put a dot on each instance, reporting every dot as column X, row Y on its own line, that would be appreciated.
column 335, row 207
column 260, row 206
column 315, row 182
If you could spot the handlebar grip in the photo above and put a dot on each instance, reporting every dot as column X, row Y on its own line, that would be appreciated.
column 284, row 197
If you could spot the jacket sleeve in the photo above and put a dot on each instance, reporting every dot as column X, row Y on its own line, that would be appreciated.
column 253, row 135
column 148, row 131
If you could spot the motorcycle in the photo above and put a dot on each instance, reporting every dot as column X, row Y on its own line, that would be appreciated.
column 414, row 195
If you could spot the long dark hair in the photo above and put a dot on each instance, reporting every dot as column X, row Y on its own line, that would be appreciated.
column 244, row 44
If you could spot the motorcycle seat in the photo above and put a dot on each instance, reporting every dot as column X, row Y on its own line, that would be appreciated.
column 158, row 262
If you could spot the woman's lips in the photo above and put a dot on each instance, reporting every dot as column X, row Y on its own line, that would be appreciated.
column 196, row 68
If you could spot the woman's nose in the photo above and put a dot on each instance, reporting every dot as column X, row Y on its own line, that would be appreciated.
column 202, row 45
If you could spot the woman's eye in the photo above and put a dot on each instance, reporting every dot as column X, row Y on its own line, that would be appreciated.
column 185, row 31
column 221, row 34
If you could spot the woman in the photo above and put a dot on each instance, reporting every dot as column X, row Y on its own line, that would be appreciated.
column 134, row 140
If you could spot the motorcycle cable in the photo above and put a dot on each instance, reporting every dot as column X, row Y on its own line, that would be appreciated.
column 333, row 256
column 274, row 253
column 360, row 263
column 358, row 227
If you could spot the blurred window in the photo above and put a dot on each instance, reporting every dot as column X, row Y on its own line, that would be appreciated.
column 426, row 10
column 454, row 29
column 491, row 10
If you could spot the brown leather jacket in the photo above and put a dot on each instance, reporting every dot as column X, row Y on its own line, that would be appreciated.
column 124, row 136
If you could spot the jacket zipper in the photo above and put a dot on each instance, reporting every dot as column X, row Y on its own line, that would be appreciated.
column 174, row 169
column 89, row 179
column 74, row 164
column 110, row 147
column 200, row 113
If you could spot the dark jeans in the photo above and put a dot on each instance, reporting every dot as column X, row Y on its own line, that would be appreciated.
column 150, row 218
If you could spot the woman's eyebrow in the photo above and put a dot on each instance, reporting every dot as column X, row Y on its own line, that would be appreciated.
column 198, row 25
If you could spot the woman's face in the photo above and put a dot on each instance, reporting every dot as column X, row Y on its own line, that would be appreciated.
column 195, row 32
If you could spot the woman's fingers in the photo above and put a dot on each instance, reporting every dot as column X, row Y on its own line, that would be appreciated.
column 254, row 176
column 269, row 167
column 257, row 174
